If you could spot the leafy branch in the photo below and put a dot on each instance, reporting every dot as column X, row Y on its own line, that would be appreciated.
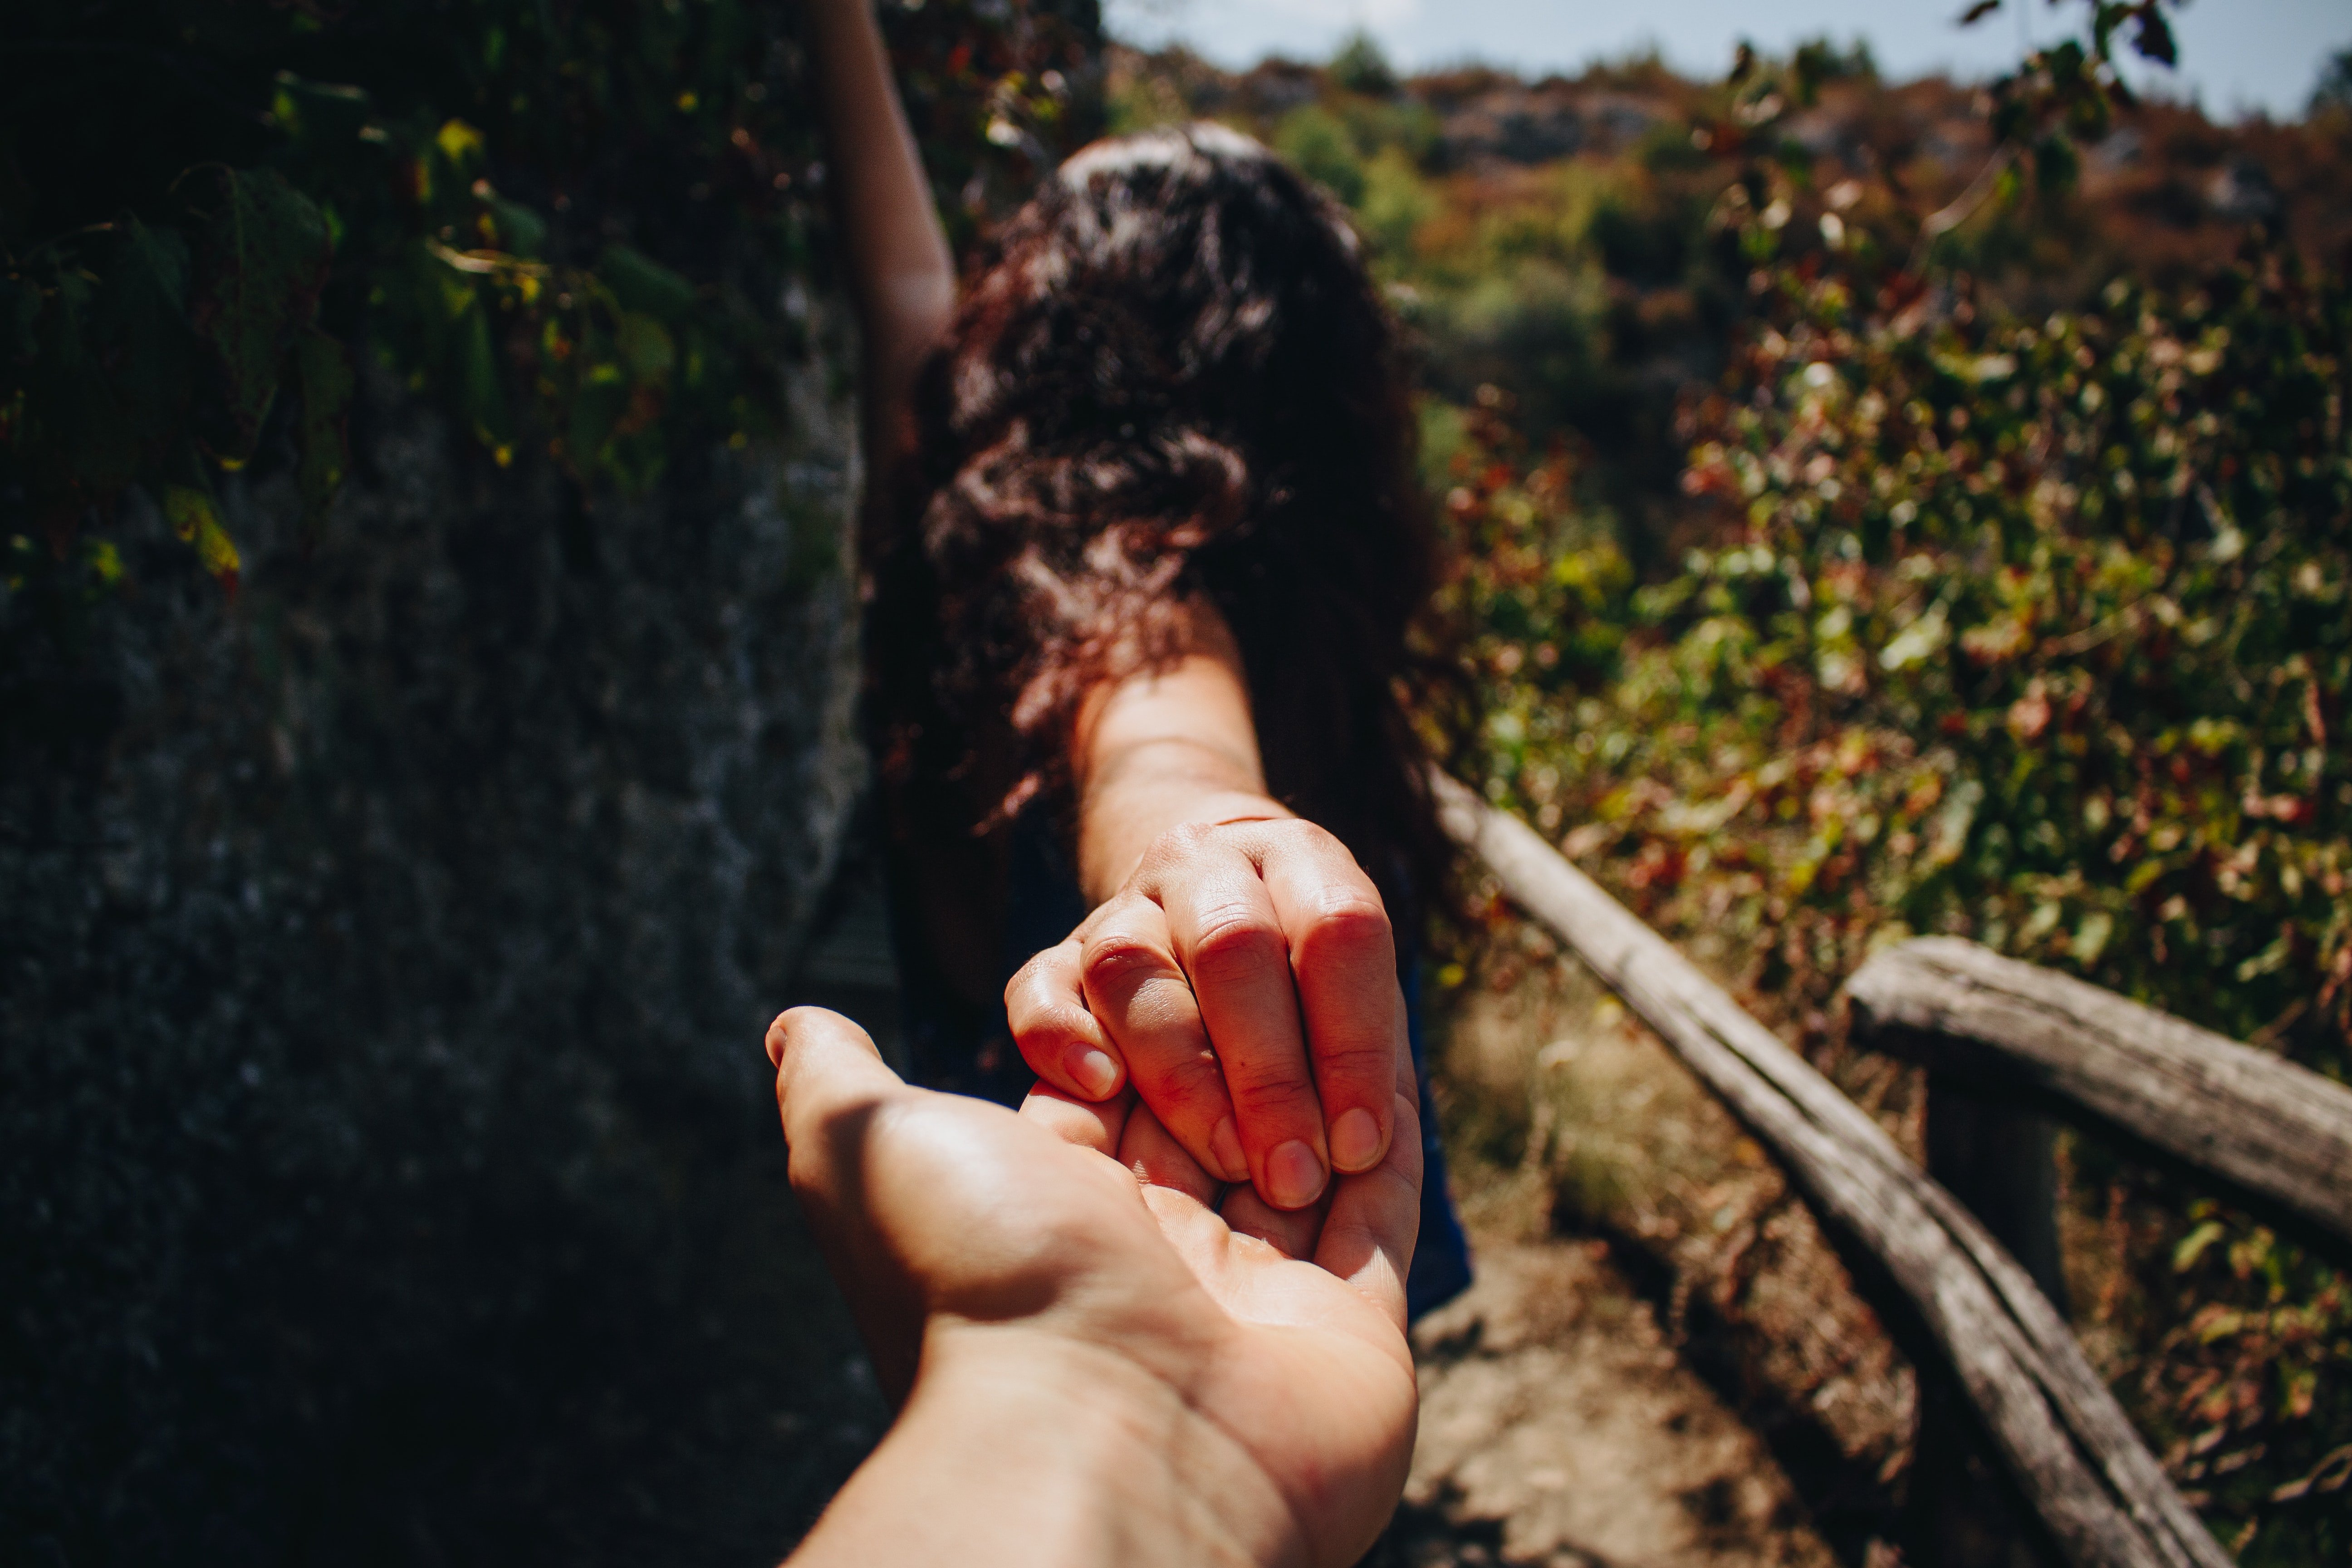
column 568, row 226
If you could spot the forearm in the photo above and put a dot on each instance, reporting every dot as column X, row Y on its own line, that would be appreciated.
column 1025, row 1449
column 901, row 276
column 1164, row 748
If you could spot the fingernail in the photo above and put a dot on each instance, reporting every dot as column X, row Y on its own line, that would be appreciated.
column 1226, row 1145
column 1355, row 1140
column 1294, row 1177
column 1091, row 1070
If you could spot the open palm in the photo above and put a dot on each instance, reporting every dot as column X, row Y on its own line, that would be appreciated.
column 1083, row 1235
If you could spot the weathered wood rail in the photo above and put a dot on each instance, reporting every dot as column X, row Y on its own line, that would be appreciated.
column 2102, row 1496
column 2270, row 1131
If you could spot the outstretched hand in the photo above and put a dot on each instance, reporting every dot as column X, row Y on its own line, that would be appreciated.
column 1103, row 1355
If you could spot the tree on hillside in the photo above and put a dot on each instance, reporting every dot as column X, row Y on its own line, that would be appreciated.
column 2335, row 89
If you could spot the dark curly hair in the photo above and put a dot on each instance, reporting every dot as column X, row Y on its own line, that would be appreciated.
column 1171, row 378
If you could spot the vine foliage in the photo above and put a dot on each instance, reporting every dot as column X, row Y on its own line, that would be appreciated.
column 577, row 225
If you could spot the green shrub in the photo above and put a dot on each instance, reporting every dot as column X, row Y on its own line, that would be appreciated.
column 1318, row 144
column 2034, row 632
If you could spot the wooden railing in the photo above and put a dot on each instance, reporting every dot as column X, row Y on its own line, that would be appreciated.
column 2100, row 1494
column 2272, row 1135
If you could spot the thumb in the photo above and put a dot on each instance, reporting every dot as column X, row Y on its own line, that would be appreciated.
column 1368, row 1237
column 825, row 1066
column 830, row 1082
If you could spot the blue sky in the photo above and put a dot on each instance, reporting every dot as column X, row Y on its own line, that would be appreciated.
column 2237, row 56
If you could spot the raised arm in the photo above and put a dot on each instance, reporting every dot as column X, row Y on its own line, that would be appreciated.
column 901, row 277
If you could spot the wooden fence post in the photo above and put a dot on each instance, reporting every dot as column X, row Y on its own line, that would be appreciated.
column 1961, row 1510
column 2271, row 1134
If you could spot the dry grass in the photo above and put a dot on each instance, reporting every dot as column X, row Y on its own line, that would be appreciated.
column 1567, row 1118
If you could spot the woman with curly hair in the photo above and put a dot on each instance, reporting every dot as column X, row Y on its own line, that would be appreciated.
column 1144, row 559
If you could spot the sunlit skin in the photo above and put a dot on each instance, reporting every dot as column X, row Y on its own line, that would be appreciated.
column 1238, row 971
column 1101, row 1355
column 1103, row 1351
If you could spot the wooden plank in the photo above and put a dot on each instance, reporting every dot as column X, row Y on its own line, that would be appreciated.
column 1995, row 1158
column 2266, row 1128
column 2101, row 1495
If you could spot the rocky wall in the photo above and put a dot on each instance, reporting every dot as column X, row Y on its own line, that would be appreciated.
column 388, row 1169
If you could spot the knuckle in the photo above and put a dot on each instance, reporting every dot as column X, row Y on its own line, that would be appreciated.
column 1047, row 978
column 1025, row 990
column 1115, row 958
column 1296, row 833
column 1167, row 1010
column 1191, row 1080
column 1347, row 922
column 1235, row 942
column 1044, row 962
column 1359, row 1060
column 1047, row 1026
column 1184, row 842
column 1261, row 1082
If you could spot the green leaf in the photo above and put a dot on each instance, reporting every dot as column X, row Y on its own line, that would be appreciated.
column 480, row 391
column 324, row 116
column 261, row 259
column 2056, row 165
column 324, row 370
column 194, row 518
column 460, row 143
column 522, row 232
column 597, row 405
column 2091, row 937
column 76, row 401
column 143, row 310
column 643, row 285
column 645, row 348
column 103, row 561
column 2153, row 40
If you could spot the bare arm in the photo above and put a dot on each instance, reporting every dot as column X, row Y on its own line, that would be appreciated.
column 1162, row 750
column 901, row 277
column 1238, row 967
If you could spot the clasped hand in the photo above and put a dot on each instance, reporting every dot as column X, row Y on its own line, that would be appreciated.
column 1102, row 1357
column 1244, row 982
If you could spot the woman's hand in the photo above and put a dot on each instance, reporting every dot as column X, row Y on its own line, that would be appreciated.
column 1097, row 1365
column 1243, row 980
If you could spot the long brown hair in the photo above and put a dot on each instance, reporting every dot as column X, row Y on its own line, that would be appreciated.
column 1172, row 377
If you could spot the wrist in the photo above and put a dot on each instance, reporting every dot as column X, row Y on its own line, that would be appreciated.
column 1035, row 1449
column 1130, row 1470
column 1227, row 808
column 1117, row 830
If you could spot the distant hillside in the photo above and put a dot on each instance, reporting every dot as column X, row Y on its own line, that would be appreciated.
column 1565, row 240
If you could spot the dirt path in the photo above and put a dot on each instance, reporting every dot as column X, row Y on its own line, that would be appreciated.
column 1557, row 1428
